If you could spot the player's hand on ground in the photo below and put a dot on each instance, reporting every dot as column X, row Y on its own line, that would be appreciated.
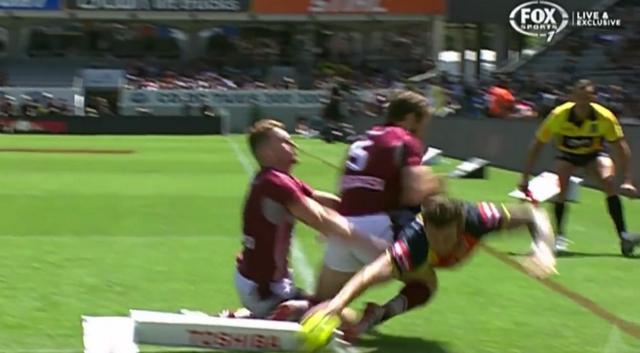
column 318, row 326
column 628, row 189
column 319, row 308
column 541, row 263
column 290, row 310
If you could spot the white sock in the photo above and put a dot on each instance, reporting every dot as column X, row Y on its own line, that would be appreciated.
column 299, row 304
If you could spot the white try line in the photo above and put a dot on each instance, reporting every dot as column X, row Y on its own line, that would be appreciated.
column 300, row 262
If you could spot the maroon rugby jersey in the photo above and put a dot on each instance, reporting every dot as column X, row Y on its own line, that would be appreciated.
column 371, row 182
column 268, row 225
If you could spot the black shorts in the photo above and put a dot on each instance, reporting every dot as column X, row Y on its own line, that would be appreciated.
column 581, row 160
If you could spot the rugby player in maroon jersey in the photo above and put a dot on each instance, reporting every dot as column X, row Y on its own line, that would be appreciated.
column 382, row 174
column 275, row 200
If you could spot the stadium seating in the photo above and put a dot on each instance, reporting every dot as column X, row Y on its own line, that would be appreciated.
column 592, row 49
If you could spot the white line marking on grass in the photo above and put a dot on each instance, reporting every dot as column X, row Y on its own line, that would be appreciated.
column 612, row 345
column 135, row 237
column 615, row 344
column 302, row 265
column 42, row 350
column 299, row 259
column 242, row 157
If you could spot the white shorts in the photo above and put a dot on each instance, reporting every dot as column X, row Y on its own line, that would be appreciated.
column 343, row 257
column 282, row 290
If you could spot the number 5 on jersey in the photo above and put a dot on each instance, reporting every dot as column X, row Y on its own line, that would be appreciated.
column 358, row 156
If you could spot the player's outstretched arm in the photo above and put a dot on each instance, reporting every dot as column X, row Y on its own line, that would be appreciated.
column 330, row 222
column 534, row 218
column 321, row 320
column 327, row 199
column 542, row 262
column 379, row 271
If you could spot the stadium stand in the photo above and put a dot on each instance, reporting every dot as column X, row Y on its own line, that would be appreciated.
column 228, row 57
column 610, row 57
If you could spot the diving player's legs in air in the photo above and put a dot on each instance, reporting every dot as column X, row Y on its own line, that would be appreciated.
column 419, row 288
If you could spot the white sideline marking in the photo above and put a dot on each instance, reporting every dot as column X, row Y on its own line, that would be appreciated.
column 299, row 259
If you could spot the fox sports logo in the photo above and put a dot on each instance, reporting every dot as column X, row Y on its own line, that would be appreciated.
column 539, row 19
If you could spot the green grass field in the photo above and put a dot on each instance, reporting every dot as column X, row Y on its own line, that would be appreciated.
column 159, row 229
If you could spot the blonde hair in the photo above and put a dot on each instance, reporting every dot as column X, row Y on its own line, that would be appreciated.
column 406, row 102
column 440, row 211
column 259, row 132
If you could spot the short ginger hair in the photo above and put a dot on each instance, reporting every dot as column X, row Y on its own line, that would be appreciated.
column 259, row 132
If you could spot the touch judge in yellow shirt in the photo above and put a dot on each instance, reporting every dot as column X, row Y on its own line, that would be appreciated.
column 579, row 130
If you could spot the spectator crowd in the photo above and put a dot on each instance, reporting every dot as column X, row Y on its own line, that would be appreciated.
column 244, row 59
column 30, row 107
